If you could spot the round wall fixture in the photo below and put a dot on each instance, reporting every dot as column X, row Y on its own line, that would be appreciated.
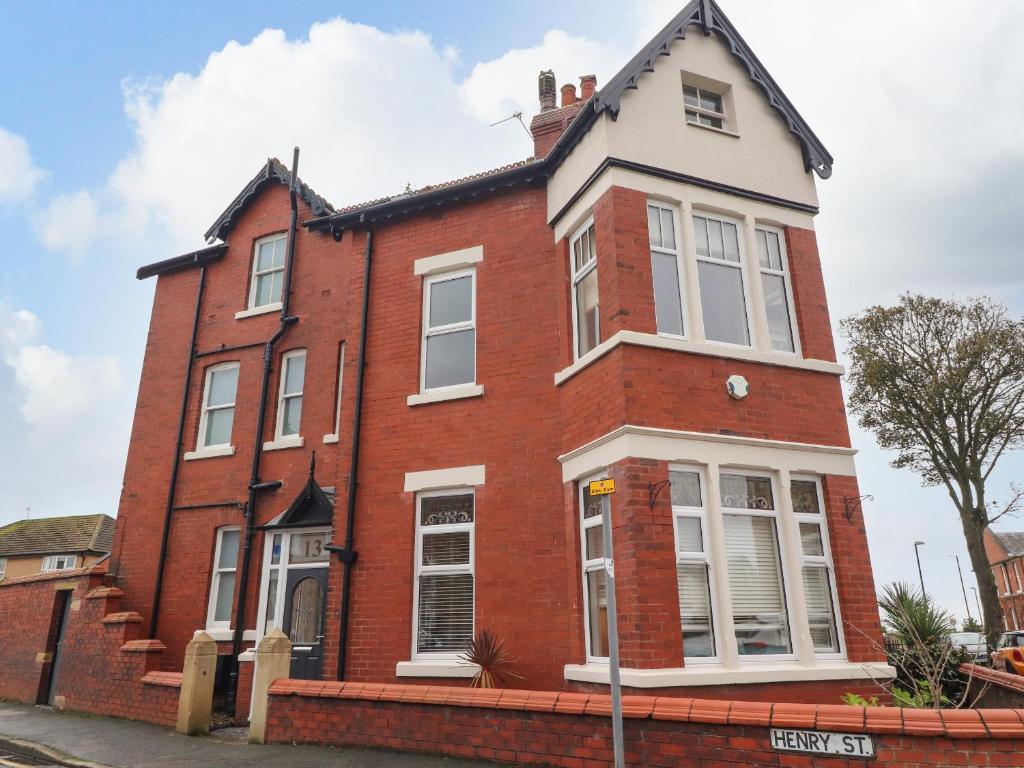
column 737, row 386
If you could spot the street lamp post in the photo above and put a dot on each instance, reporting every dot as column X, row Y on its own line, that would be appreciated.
column 977, row 602
column 920, row 573
column 962, row 587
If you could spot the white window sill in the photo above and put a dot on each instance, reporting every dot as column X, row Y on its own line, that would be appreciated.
column 209, row 453
column 328, row 439
column 226, row 635
column 436, row 668
column 749, row 674
column 254, row 311
column 459, row 392
column 280, row 443
column 709, row 348
column 724, row 131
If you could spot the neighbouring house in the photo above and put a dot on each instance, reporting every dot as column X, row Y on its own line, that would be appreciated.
column 1006, row 556
column 28, row 547
column 641, row 300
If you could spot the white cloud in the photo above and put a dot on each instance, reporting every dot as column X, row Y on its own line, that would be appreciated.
column 18, row 174
column 495, row 89
column 54, row 389
column 69, row 223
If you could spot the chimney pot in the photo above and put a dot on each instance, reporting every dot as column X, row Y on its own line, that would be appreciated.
column 568, row 94
column 588, row 84
column 546, row 89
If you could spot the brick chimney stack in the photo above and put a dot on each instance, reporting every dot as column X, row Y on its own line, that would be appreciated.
column 546, row 90
column 548, row 126
column 588, row 84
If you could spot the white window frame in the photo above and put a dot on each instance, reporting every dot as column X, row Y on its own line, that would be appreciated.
column 253, row 278
column 215, row 578
column 787, row 283
column 700, row 111
column 681, row 270
column 3, row 567
column 592, row 564
column 787, row 577
column 420, row 569
column 333, row 436
column 59, row 563
column 702, row 558
column 825, row 559
column 283, row 566
column 1016, row 572
column 292, row 440
column 741, row 265
column 428, row 331
column 575, row 279
column 218, row 448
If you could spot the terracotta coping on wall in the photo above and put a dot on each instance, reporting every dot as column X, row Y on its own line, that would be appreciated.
column 169, row 679
column 99, row 592
column 952, row 723
column 143, row 646
column 994, row 676
column 124, row 617
column 70, row 573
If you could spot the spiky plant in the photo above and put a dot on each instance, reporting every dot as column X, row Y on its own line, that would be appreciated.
column 494, row 660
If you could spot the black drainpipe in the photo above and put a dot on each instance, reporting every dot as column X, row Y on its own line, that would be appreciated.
column 255, row 486
column 348, row 555
column 165, row 535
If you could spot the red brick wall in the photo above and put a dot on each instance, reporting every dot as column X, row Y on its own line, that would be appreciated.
column 809, row 294
column 103, row 667
column 243, row 699
column 567, row 729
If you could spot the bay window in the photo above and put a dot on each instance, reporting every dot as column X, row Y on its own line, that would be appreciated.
column 720, row 277
column 444, row 593
column 819, row 584
column 692, row 566
column 595, row 592
column 771, row 256
column 759, row 610
column 585, row 304
column 449, row 330
column 668, row 303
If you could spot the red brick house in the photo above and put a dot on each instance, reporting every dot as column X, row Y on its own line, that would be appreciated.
column 641, row 300
column 1006, row 556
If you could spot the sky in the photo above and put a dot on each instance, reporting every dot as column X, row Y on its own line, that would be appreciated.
column 124, row 131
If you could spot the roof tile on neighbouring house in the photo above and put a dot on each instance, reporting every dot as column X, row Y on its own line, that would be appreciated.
column 1013, row 542
column 57, row 535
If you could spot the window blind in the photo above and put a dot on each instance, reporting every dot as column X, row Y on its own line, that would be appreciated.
column 755, row 581
column 445, row 612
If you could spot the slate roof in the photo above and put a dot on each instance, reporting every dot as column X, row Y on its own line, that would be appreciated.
column 57, row 535
column 273, row 172
column 1013, row 542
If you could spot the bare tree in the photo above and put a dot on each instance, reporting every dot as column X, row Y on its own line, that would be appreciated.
column 941, row 383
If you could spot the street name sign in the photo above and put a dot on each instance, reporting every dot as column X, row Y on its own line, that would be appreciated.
column 822, row 743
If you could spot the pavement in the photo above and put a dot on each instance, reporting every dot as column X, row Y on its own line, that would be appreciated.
column 42, row 736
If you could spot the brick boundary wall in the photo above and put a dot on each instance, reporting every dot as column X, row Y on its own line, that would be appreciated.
column 574, row 730
column 104, row 667
column 995, row 677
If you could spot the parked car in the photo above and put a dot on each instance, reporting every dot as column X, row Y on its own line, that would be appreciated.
column 1009, row 653
column 974, row 645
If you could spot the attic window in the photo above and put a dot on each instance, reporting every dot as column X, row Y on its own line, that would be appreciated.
column 704, row 107
column 708, row 103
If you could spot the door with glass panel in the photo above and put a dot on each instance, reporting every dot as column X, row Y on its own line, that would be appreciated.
column 305, row 598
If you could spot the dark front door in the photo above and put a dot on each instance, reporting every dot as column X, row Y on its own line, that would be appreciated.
column 305, row 599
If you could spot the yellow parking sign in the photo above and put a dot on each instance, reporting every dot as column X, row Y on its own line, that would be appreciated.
column 601, row 487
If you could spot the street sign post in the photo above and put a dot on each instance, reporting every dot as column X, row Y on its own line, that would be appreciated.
column 606, row 488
